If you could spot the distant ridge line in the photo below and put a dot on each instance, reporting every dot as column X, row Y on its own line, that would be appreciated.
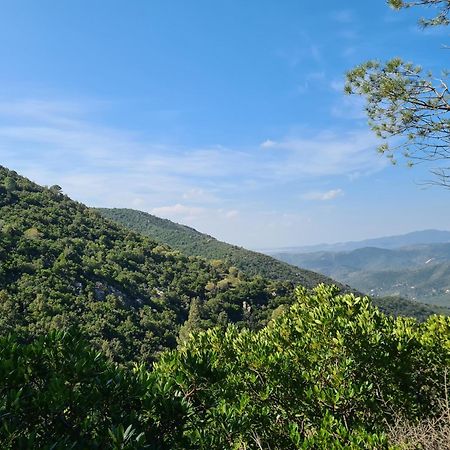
column 428, row 236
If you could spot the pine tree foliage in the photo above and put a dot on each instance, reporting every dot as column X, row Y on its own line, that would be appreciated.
column 408, row 107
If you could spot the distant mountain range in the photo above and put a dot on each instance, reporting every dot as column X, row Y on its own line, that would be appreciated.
column 387, row 242
column 414, row 266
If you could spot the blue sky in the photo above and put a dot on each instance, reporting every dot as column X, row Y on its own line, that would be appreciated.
column 227, row 116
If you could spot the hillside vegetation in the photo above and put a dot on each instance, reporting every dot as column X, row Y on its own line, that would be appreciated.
column 193, row 354
column 63, row 266
column 193, row 243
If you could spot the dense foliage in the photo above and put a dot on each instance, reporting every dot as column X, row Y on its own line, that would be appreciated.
column 58, row 393
column 193, row 243
column 63, row 265
column 332, row 372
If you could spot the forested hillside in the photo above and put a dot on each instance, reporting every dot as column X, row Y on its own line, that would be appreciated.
column 63, row 265
column 193, row 243
column 123, row 331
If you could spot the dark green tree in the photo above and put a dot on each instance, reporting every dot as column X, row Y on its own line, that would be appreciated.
column 10, row 186
column 193, row 323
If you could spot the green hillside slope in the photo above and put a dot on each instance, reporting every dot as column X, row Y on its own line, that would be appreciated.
column 63, row 265
column 191, row 242
column 430, row 283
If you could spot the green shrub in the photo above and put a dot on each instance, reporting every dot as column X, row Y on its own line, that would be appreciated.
column 332, row 372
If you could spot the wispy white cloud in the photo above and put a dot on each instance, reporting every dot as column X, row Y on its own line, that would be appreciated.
column 311, row 80
column 349, row 34
column 73, row 148
column 232, row 213
column 199, row 195
column 308, row 50
column 83, row 149
column 349, row 51
column 337, row 85
column 194, row 214
column 315, row 52
column 323, row 196
column 347, row 24
column 349, row 107
column 325, row 154
column 268, row 143
column 40, row 109
column 344, row 16
column 178, row 210
column 104, row 166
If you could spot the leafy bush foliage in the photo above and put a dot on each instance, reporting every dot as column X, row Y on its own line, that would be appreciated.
column 57, row 393
column 333, row 369
column 332, row 372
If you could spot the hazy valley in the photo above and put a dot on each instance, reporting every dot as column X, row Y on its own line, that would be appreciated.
column 419, row 271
